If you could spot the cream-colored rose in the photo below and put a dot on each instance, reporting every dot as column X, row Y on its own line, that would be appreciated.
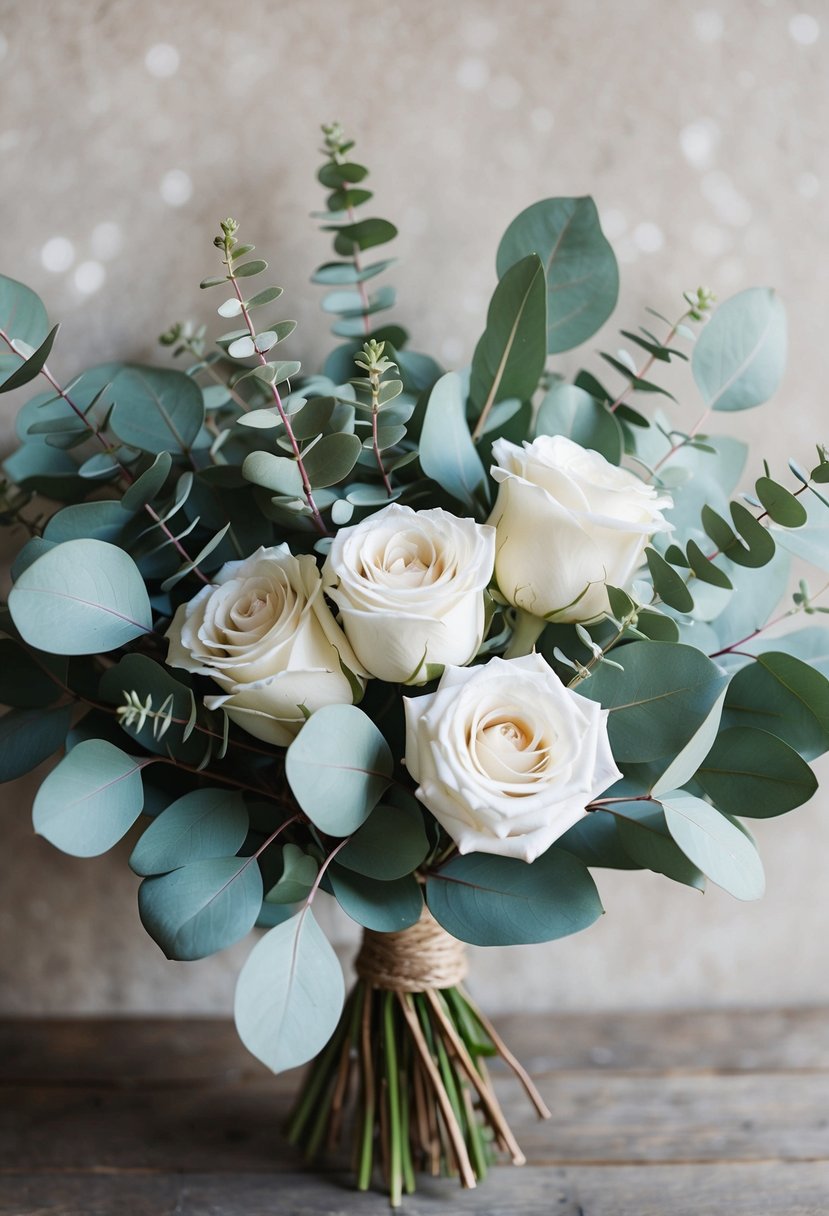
column 409, row 586
column 265, row 634
column 568, row 523
column 506, row 758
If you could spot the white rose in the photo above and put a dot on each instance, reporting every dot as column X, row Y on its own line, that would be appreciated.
column 409, row 587
column 266, row 635
column 568, row 523
column 506, row 758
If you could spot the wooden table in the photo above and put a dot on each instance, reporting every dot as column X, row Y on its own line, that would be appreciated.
column 682, row 1114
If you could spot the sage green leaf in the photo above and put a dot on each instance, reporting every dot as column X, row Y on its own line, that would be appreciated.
column 757, row 592
column 740, row 355
column 290, row 994
column 44, row 469
column 645, row 836
column 140, row 674
column 279, row 474
column 594, row 839
column 385, row 907
column 751, row 772
column 658, row 702
column 669, row 586
column 156, row 410
column 510, row 355
column 202, row 907
column 338, row 767
column 90, row 800
column 32, row 366
column 714, row 844
column 499, row 901
column 336, row 274
column 782, row 506
column 447, row 453
column 200, row 826
column 579, row 264
column 332, row 459
column 247, row 269
column 391, row 843
column 365, row 234
column 568, row 410
column 22, row 317
column 82, row 597
column 704, row 569
column 93, row 520
column 785, row 696
column 30, row 736
column 299, row 872
column 683, row 766
column 150, row 483
column 810, row 644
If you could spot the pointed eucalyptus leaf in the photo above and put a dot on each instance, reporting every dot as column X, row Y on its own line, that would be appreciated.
column 683, row 766
column 447, row 453
column 510, row 355
column 203, row 907
column 500, row 901
column 200, row 826
column 714, row 844
column 754, row 773
column 811, row 645
column 782, row 506
column 338, row 767
column 669, row 586
column 32, row 366
column 579, row 264
column 784, row 696
column 90, row 800
column 740, row 355
column 81, row 597
column 149, row 484
column 645, row 836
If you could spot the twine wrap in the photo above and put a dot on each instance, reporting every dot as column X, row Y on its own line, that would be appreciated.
column 414, row 960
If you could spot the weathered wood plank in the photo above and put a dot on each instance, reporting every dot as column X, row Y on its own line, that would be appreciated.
column 596, row 1118
column 135, row 1051
column 691, row 1190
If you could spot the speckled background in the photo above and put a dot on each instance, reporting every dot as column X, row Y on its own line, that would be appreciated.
column 128, row 129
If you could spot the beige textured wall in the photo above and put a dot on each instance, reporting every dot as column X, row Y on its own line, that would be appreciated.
column 128, row 129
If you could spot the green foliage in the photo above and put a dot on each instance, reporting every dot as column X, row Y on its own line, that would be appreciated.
column 447, row 453
column 200, row 826
column 384, row 906
column 338, row 767
column 82, row 597
column 739, row 357
column 90, row 800
column 751, row 772
column 202, row 907
column 156, row 410
column 644, row 834
column 595, row 840
column 299, row 871
column 568, row 410
column 499, row 901
column 720, row 848
column 390, row 844
column 290, row 994
column 659, row 700
column 23, row 320
column 510, row 355
column 785, row 696
column 580, row 267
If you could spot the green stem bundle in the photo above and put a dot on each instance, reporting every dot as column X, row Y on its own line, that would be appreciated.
column 409, row 1071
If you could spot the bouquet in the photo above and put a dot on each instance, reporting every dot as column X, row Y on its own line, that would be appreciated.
column 439, row 644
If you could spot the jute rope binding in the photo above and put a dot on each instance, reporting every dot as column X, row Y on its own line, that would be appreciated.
column 414, row 960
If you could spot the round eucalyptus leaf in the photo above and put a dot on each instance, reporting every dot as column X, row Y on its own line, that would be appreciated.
column 338, row 767
column 751, row 772
column 658, row 701
column 568, row 410
column 299, row 871
column 391, row 843
column 90, row 800
column 499, row 901
column 447, row 453
column 156, row 409
column 202, row 907
column 91, row 520
column 740, row 355
column 202, row 825
column 385, row 907
column 290, row 994
column 722, row 851
column 579, row 264
column 22, row 317
column 783, row 695
column 81, row 597
column 594, row 839
column 332, row 459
